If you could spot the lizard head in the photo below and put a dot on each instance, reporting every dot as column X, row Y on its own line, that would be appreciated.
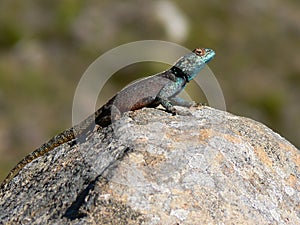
column 191, row 63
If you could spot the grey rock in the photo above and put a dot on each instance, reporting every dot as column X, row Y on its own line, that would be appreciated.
column 154, row 168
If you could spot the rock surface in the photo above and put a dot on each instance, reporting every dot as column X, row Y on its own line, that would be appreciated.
column 154, row 168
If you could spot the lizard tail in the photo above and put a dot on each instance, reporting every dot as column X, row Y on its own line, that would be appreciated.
column 57, row 140
column 101, row 117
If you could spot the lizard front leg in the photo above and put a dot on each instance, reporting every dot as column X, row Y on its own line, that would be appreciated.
column 182, row 102
column 167, row 95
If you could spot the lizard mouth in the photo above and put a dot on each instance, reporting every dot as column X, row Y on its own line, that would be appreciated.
column 210, row 55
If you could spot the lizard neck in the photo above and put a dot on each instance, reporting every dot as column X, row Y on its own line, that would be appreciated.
column 179, row 73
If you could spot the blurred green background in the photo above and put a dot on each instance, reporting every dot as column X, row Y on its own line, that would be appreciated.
column 45, row 46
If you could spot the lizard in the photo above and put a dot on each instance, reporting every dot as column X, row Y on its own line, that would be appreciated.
column 161, row 88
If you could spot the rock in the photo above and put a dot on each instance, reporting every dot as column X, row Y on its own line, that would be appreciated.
column 154, row 168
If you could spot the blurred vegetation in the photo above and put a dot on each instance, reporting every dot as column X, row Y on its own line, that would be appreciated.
column 45, row 46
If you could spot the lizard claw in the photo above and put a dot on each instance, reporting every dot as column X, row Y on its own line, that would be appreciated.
column 180, row 112
column 173, row 111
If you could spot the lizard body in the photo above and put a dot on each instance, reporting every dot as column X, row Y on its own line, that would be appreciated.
column 158, row 89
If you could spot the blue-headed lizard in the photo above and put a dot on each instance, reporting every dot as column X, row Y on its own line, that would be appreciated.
column 151, row 91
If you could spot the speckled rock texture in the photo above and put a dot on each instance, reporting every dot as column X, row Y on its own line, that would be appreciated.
column 154, row 168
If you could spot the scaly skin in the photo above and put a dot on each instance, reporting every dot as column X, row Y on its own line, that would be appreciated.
column 158, row 89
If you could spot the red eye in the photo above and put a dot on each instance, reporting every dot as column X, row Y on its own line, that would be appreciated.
column 199, row 51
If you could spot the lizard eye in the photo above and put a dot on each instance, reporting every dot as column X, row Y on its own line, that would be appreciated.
column 199, row 51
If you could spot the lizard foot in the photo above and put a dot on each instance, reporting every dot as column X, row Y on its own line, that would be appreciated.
column 184, row 113
column 181, row 112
